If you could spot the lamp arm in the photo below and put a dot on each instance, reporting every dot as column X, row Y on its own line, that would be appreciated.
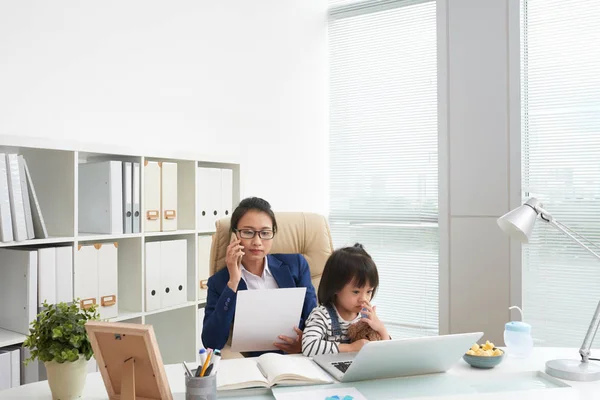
column 584, row 351
column 561, row 228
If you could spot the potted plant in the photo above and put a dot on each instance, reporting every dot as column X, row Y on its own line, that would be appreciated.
column 58, row 338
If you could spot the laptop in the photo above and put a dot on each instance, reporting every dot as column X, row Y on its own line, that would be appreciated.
column 399, row 357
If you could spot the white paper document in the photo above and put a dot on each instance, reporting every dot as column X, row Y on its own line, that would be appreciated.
column 261, row 316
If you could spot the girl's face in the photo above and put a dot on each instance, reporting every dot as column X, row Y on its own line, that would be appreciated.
column 352, row 298
column 257, row 224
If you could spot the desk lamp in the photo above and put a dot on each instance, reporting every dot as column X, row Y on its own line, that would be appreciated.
column 518, row 224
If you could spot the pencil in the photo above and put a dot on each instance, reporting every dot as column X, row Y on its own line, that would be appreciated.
column 206, row 364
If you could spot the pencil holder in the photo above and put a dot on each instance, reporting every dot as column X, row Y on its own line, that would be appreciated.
column 201, row 388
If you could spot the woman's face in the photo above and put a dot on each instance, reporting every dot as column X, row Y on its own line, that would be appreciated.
column 253, row 223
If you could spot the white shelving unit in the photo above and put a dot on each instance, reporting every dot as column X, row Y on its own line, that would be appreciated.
column 54, row 170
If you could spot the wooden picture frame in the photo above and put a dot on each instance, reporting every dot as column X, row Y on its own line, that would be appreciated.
column 129, row 361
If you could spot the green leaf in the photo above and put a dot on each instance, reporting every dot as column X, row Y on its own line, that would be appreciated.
column 58, row 333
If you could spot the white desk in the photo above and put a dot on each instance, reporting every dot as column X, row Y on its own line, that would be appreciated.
column 382, row 389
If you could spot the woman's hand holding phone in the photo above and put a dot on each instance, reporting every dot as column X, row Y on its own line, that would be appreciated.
column 234, row 262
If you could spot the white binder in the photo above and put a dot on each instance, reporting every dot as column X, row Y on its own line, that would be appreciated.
column 136, row 197
column 178, row 250
column 107, row 254
column 202, row 193
column 166, row 274
column 127, row 198
column 15, row 364
column 152, row 281
column 64, row 274
column 18, row 289
column 204, row 244
column 168, row 191
column 151, row 214
column 26, row 203
column 173, row 272
column 6, row 229
column 96, row 277
column 46, row 275
column 17, row 209
column 5, row 370
column 226, row 192
column 100, row 197
column 209, row 198
column 15, row 360
column 215, row 196
column 39, row 226
column 85, row 275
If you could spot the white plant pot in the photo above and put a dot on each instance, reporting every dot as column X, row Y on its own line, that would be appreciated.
column 66, row 379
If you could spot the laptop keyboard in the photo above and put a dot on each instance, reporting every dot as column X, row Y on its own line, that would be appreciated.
column 342, row 365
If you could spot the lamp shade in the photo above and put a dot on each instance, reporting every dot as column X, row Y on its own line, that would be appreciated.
column 519, row 222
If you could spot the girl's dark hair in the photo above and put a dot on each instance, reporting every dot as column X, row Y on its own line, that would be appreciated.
column 343, row 266
column 251, row 203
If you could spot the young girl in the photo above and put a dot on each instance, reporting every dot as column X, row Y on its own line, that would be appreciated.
column 347, row 286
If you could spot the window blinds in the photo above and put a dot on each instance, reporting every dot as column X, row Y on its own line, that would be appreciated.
column 383, row 151
column 560, row 53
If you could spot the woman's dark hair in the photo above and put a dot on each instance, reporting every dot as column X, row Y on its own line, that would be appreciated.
column 343, row 266
column 251, row 203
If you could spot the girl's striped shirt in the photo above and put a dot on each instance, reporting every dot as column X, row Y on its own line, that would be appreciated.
column 318, row 337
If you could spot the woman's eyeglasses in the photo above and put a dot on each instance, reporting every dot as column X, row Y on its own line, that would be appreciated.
column 250, row 233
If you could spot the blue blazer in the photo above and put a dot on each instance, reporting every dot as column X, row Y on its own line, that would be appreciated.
column 289, row 270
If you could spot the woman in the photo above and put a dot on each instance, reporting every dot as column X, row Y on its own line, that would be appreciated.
column 251, row 267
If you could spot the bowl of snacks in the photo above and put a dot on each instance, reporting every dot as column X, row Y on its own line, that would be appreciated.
column 484, row 355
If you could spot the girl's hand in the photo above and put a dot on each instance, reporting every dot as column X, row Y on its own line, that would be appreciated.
column 370, row 317
column 234, row 262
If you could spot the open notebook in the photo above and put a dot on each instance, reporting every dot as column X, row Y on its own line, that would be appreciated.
column 268, row 370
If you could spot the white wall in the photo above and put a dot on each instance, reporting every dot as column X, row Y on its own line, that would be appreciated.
column 480, row 163
column 243, row 79
column 249, row 80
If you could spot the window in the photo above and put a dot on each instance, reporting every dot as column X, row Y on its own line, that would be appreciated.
column 383, row 151
column 560, row 111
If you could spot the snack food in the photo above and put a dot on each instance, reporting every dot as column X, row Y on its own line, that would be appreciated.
column 484, row 350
